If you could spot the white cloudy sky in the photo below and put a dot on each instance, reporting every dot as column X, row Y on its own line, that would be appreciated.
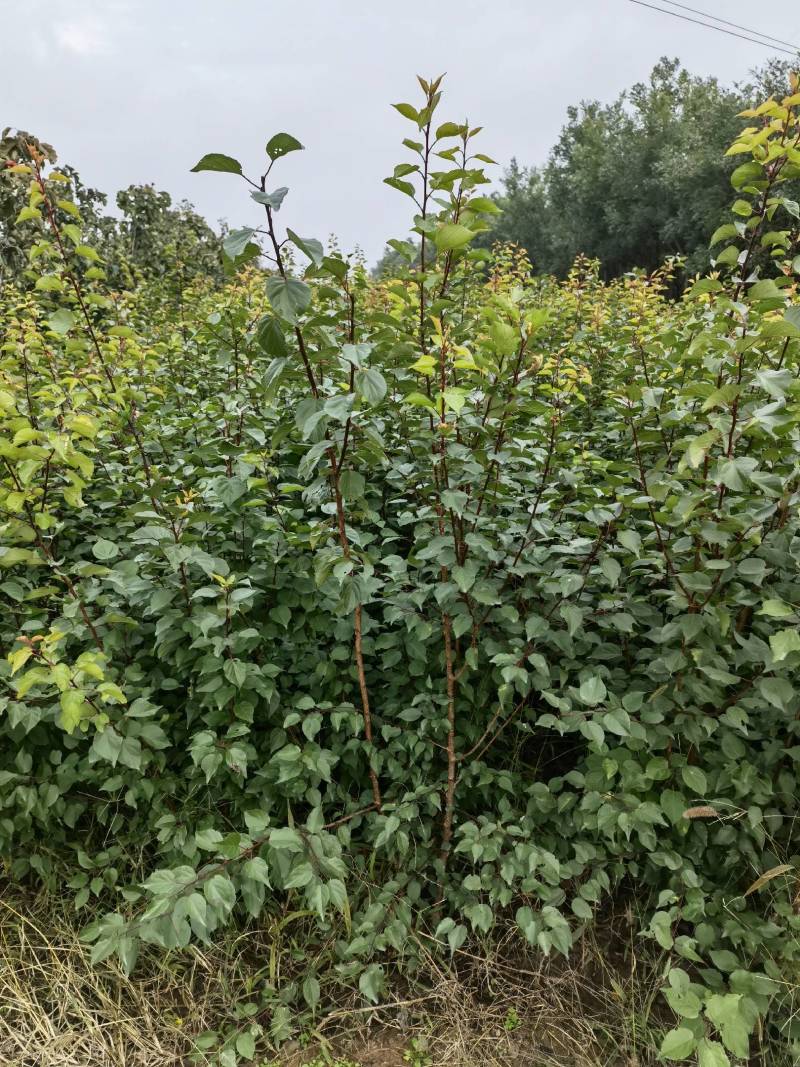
column 137, row 90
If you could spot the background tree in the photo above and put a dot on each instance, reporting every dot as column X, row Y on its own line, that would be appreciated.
column 13, row 243
column 149, row 236
column 637, row 180
column 159, row 238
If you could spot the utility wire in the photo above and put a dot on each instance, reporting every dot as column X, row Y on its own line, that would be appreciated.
column 711, row 26
column 736, row 26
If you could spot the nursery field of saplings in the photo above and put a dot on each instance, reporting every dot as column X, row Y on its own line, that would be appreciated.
column 389, row 618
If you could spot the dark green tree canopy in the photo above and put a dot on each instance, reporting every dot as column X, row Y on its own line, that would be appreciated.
column 634, row 181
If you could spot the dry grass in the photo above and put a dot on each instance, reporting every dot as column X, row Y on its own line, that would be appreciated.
column 55, row 1009
column 485, row 1011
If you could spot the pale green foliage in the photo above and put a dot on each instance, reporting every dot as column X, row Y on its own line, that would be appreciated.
column 148, row 238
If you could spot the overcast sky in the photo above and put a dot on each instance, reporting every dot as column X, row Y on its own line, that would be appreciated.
column 133, row 91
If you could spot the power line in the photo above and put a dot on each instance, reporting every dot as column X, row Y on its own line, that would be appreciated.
column 727, row 22
column 711, row 26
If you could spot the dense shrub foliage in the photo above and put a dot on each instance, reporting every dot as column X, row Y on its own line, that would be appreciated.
column 406, row 605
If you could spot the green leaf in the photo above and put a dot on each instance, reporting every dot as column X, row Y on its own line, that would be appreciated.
column 401, row 186
column 104, row 550
column 197, row 913
column 61, row 321
column 286, row 839
column 582, row 909
column 107, row 745
column 684, row 1002
column 481, row 917
column 407, row 111
column 618, row 722
column 611, row 570
column 784, row 643
column 698, row 447
column 74, row 708
column 311, row 991
column 352, row 484
column 27, row 213
column 419, row 400
column 694, row 779
column 269, row 334
column 251, row 251
column 447, row 129
column 49, row 283
column 371, row 384
column 246, row 1045
column 678, row 1044
column 484, row 205
column 271, row 200
column 457, row 500
column 456, row 938
column 464, row 576
column 711, row 1054
column 746, row 173
column 131, row 753
column 339, row 406
column 281, row 144
column 777, row 691
column 732, row 472
column 237, row 241
column 454, row 399
column 593, row 731
column 661, row 927
column 399, row 172
column 71, row 208
column 209, row 839
column 504, row 338
column 722, row 233
column 592, row 691
column 288, row 296
column 371, row 982
column 725, row 1011
column 729, row 256
column 127, row 952
column 776, row 609
column 631, row 540
column 766, row 289
column 452, row 236
column 219, row 162
column 308, row 246
column 220, row 893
